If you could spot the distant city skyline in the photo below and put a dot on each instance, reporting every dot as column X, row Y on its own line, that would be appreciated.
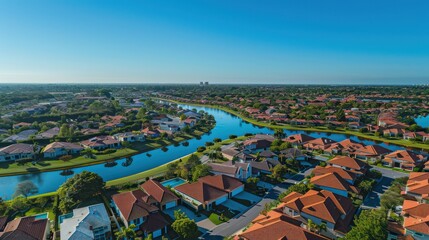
column 220, row 42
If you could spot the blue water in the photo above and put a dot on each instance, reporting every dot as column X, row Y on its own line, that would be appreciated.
column 173, row 182
column 422, row 121
column 226, row 124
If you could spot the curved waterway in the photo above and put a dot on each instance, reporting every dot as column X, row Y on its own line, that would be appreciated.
column 226, row 125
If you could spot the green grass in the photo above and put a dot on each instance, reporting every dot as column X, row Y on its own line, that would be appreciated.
column 14, row 168
column 214, row 218
column 400, row 142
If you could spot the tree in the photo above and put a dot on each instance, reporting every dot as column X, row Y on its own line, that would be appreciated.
column 126, row 233
column 311, row 226
column 252, row 182
column 149, row 237
column 182, row 117
column 186, row 228
column 79, row 188
column 278, row 172
column 200, row 171
column 25, row 189
column 141, row 114
column 300, row 188
column 370, row 225
column 65, row 131
column 279, row 133
column 19, row 203
column 179, row 214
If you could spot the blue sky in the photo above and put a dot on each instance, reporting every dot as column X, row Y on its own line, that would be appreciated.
column 241, row 41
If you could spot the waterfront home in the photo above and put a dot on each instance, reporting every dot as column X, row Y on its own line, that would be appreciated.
column 333, row 182
column 27, row 228
column 240, row 170
column 57, row 149
column 349, row 164
column 417, row 187
column 404, row 159
column 101, row 143
column 209, row 191
column 151, row 133
column 371, row 153
column 258, row 143
column 334, row 210
column 130, row 137
column 298, row 139
column 230, row 153
column 416, row 219
column 16, row 152
column 164, row 197
column 414, row 135
column 138, row 208
column 276, row 225
column 318, row 144
column 347, row 146
column 86, row 223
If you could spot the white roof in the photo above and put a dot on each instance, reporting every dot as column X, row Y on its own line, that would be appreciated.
column 83, row 220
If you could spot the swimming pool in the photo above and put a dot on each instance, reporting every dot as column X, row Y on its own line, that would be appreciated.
column 173, row 182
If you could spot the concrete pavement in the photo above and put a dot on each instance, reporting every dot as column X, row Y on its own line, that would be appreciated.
column 241, row 221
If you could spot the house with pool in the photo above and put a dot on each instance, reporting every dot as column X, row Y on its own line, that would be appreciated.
column 138, row 208
column 164, row 197
column 209, row 191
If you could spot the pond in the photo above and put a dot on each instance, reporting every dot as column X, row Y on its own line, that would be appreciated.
column 422, row 121
column 226, row 124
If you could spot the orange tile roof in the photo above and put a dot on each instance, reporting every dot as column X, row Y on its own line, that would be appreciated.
column 328, row 169
column 406, row 156
column 333, row 180
column 155, row 189
column 349, row 162
column 416, row 216
column 134, row 204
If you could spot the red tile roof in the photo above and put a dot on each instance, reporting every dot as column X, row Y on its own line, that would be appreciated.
column 416, row 216
column 26, row 228
column 348, row 162
column 328, row 169
column 134, row 204
column 333, row 180
column 161, row 194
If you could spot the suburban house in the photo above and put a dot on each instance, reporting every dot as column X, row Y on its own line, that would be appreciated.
column 318, row 144
column 138, row 208
column 16, row 152
column 371, row 153
column 263, row 167
column 258, row 143
column 413, row 135
column 335, row 183
column 51, row 133
column 164, row 197
column 346, row 175
column 336, row 211
column 57, row 149
column 86, row 223
column 209, row 191
column 27, row 228
column 240, row 170
column 293, row 153
column 416, row 219
column 20, row 125
column 346, row 146
column 404, row 159
column 230, row 153
column 101, row 143
column 417, row 187
column 130, row 137
column 151, row 133
column 349, row 164
column 276, row 225
column 298, row 139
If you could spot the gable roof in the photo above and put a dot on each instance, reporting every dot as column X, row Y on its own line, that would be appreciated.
column 322, row 204
column 418, row 183
column 406, row 155
column 134, row 204
column 328, row 169
column 222, row 182
column 64, row 145
column 17, row 148
column 298, row 138
column 348, row 162
column 201, row 191
column 333, row 180
column 278, row 226
column 25, row 228
column 416, row 216
column 161, row 194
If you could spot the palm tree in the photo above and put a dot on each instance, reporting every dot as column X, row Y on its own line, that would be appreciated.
column 213, row 155
column 321, row 228
column 311, row 225
column 126, row 233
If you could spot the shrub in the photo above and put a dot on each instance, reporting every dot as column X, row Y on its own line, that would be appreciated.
column 201, row 149
column 232, row 136
column 66, row 157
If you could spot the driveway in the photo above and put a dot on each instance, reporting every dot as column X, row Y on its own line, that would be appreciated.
column 204, row 224
column 300, row 176
column 373, row 198
column 241, row 221
column 248, row 196
column 265, row 185
column 233, row 205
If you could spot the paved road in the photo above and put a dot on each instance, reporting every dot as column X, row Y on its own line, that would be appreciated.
column 236, row 224
column 373, row 198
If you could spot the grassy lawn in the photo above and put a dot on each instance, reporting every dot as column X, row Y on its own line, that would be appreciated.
column 14, row 168
column 7, row 169
column 216, row 219
column 401, row 142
